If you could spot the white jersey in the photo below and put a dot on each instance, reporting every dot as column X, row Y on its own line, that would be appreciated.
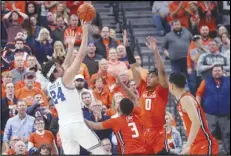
column 66, row 102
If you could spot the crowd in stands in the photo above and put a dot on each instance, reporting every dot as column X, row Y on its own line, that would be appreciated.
column 34, row 32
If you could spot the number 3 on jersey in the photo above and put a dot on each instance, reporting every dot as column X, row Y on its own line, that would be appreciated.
column 133, row 128
column 148, row 104
column 57, row 97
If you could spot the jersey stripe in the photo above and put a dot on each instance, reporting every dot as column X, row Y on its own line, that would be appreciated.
column 122, row 144
column 206, row 134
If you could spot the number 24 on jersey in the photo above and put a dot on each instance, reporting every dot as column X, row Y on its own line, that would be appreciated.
column 57, row 96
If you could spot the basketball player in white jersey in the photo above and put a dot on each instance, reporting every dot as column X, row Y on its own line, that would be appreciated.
column 61, row 88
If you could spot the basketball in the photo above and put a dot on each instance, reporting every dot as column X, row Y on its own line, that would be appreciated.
column 86, row 12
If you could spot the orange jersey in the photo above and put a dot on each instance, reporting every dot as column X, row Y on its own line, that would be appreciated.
column 153, row 105
column 46, row 138
column 204, row 137
column 128, row 131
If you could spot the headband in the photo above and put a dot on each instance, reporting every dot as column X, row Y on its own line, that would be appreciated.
column 51, row 70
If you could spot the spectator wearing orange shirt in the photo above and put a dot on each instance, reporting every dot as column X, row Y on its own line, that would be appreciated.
column 73, row 6
column 194, row 18
column 42, row 136
column 109, row 79
column 105, row 42
column 102, row 92
column 208, row 13
column 74, row 20
column 114, row 65
column 29, row 90
column 179, row 10
column 6, row 78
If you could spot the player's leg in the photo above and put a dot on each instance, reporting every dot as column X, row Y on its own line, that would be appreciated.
column 70, row 146
column 205, row 148
column 89, row 140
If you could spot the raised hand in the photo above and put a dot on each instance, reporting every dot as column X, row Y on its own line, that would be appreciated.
column 125, row 38
column 85, row 25
column 71, row 37
column 151, row 43
column 118, row 81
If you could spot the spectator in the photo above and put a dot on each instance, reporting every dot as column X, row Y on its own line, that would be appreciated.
column 179, row 11
column 87, row 100
column 122, row 54
column 36, row 105
column 91, row 59
column 20, row 148
column 14, row 126
column 176, row 44
column 73, row 6
column 42, row 136
column 12, row 142
column 8, row 105
column 194, row 18
column 83, row 70
column 19, row 71
column 132, row 87
column 107, row 146
column 29, row 90
column 143, row 71
column 220, row 30
column 51, row 25
column 97, row 116
column 58, row 33
column 43, row 46
column 45, row 149
column 61, row 10
column 192, row 59
column 59, row 52
column 74, row 20
column 4, row 10
column 114, row 65
column 31, row 61
column 34, row 30
column 113, row 112
column 112, row 34
column 173, row 136
column 79, row 85
column 43, row 13
column 104, row 43
column 208, row 12
column 207, row 61
column 215, row 91
column 32, row 9
column 12, row 25
column 103, row 66
column 160, row 12
column 16, row 5
column 225, row 39
column 6, row 78
column 101, row 92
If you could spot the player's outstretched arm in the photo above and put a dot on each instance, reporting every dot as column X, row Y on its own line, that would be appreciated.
column 71, row 71
column 94, row 125
column 151, row 43
column 130, row 94
column 189, row 106
column 131, row 60
column 70, row 41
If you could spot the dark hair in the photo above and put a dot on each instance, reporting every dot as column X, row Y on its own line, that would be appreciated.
column 175, row 21
column 217, row 65
column 47, row 146
column 10, row 17
column 178, row 79
column 35, row 8
column 59, row 16
column 225, row 33
column 39, row 119
column 153, row 71
column 85, row 93
column 19, row 51
column 126, row 106
column 45, row 69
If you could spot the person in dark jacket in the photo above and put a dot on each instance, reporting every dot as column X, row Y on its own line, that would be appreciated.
column 91, row 59
column 215, row 91
column 104, row 43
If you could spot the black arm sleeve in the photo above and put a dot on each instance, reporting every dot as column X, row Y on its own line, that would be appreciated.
column 131, row 58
